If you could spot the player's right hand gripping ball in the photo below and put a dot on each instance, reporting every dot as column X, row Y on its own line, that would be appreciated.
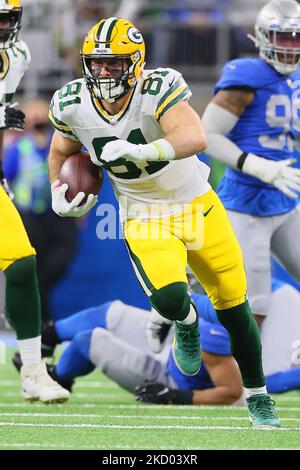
column 81, row 175
column 75, row 193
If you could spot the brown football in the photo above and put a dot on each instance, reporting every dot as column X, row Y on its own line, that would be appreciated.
column 81, row 174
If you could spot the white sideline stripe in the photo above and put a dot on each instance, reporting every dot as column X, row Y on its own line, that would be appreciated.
column 89, row 416
column 123, row 447
column 142, row 407
column 119, row 426
column 93, row 447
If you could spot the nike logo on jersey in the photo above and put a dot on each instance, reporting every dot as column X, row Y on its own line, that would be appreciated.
column 207, row 212
column 232, row 66
column 215, row 332
column 171, row 83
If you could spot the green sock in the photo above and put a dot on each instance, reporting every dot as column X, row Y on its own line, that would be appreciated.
column 23, row 303
column 245, row 343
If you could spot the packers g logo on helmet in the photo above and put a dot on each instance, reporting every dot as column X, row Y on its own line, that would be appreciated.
column 10, row 22
column 113, row 39
column 134, row 35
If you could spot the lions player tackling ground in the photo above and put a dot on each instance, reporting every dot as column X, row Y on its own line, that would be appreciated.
column 139, row 126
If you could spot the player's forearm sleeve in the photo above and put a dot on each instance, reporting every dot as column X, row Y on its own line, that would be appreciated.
column 217, row 123
column 284, row 381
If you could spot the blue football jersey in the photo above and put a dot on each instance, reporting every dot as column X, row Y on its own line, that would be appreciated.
column 268, row 128
column 214, row 339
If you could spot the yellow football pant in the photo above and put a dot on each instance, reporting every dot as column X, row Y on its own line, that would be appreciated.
column 14, row 242
column 201, row 236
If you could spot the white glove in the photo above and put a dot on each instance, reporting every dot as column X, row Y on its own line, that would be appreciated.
column 158, row 150
column 64, row 208
column 278, row 173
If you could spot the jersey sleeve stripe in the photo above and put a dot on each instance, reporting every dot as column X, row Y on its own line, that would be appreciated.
column 23, row 52
column 61, row 126
column 8, row 97
column 169, row 92
column 181, row 94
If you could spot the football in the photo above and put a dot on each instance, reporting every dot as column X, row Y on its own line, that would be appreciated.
column 81, row 174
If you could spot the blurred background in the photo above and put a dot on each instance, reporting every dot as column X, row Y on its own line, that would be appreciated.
column 196, row 37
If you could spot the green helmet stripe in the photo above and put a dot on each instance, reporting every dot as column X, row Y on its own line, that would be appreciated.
column 109, row 32
column 104, row 31
column 99, row 30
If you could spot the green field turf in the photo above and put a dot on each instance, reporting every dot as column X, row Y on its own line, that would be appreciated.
column 100, row 415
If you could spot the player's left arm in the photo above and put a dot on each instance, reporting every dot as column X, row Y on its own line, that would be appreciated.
column 224, row 373
column 226, row 376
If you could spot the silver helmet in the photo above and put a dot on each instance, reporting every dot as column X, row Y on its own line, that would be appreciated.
column 277, row 35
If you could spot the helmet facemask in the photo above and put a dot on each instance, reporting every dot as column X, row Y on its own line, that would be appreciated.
column 110, row 88
column 9, row 33
column 273, row 49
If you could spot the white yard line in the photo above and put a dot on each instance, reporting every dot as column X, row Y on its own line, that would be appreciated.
column 20, row 445
column 193, row 409
column 119, row 426
column 97, row 416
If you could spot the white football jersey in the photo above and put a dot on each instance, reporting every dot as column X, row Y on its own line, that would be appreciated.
column 280, row 331
column 143, row 188
column 13, row 64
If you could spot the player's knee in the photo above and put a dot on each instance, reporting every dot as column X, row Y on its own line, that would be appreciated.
column 99, row 346
column 22, row 271
column 82, row 342
column 229, row 294
column 115, row 314
column 172, row 301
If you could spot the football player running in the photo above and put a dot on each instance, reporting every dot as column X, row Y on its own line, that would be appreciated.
column 17, row 256
column 252, row 125
column 138, row 124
